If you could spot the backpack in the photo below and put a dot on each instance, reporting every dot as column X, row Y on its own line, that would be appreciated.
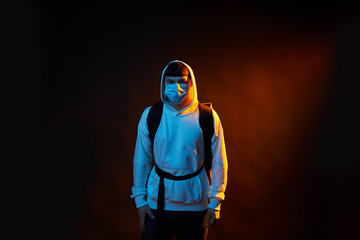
column 206, row 124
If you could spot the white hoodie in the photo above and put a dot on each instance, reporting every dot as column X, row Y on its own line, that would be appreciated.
column 179, row 150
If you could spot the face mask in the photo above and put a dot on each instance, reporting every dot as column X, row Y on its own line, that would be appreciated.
column 176, row 92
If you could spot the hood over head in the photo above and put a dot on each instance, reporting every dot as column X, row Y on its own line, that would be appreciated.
column 162, row 86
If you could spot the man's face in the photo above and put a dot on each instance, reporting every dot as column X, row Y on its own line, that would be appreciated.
column 177, row 89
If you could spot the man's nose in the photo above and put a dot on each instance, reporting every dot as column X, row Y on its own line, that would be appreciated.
column 179, row 88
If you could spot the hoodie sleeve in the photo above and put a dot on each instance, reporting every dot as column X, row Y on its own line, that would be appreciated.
column 219, row 166
column 142, row 161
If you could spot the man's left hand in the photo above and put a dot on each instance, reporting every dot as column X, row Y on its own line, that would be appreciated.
column 212, row 216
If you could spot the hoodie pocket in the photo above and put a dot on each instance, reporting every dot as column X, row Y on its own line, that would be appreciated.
column 184, row 191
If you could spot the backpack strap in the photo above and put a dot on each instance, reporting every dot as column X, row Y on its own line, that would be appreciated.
column 207, row 126
column 153, row 119
column 161, row 194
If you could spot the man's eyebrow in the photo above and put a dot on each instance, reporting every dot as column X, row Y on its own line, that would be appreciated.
column 176, row 80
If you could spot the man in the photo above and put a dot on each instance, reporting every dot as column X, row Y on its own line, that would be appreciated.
column 176, row 198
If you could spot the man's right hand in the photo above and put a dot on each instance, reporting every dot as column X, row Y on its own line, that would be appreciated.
column 142, row 213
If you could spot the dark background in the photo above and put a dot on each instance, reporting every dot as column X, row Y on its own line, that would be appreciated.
column 282, row 76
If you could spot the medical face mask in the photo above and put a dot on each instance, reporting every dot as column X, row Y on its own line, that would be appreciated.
column 176, row 91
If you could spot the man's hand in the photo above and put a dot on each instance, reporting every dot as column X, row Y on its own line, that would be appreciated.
column 212, row 216
column 142, row 213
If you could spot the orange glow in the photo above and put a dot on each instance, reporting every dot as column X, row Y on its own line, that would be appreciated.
column 269, row 102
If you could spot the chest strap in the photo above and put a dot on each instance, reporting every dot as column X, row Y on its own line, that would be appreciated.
column 161, row 194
